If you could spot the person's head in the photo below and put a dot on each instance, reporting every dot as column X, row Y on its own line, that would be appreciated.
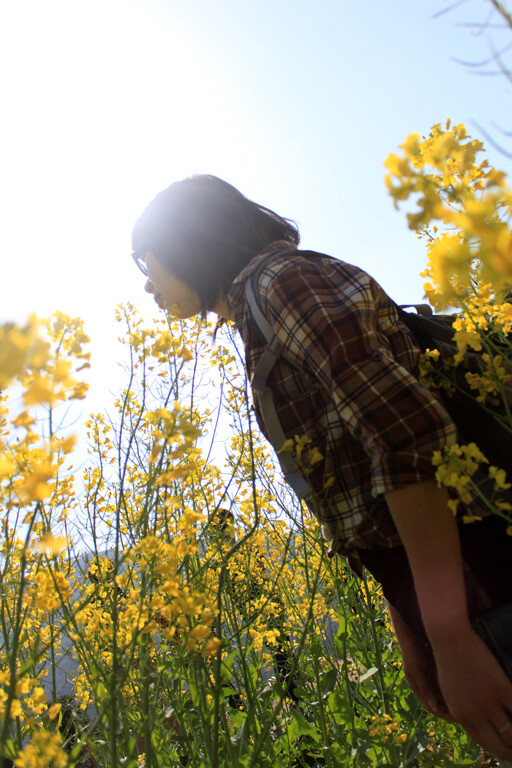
column 222, row 524
column 100, row 569
column 202, row 232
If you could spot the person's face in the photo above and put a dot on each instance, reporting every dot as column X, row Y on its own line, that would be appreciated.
column 169, row 291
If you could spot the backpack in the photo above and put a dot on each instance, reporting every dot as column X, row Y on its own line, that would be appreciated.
column 475, row 422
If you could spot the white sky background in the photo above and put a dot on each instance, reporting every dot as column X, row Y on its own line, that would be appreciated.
column 296, row 102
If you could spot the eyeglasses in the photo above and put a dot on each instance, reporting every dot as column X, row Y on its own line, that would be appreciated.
column 138, row 257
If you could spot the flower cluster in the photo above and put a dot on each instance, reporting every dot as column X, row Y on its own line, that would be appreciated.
column 468, row 199
column 463, row 208
column 384, row 727
column 466, row 471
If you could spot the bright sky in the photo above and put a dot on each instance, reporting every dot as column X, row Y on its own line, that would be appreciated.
column 296, row 102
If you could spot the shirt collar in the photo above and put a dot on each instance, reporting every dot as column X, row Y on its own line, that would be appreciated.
column 236, row 290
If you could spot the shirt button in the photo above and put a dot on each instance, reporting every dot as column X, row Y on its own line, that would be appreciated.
column 376, row 357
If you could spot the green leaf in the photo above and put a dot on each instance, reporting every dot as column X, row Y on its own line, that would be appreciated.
column 10, row 750
column 328, row 681
column 227, row 667
column 101, row 691
column 299, row 726
column 369, row 673
column 27, row 666
column 237, row 718
column 342, row 625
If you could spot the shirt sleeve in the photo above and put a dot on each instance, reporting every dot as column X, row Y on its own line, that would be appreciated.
column 331, row 325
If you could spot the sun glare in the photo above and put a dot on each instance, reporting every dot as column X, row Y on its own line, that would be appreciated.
column 106, row 104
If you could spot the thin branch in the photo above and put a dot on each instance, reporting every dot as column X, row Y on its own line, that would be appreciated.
column 447, row 10
column 499, row 62
column 503, row 12
column 501, row 130
column 495, row 56
column 491, row 140
column 481, row 74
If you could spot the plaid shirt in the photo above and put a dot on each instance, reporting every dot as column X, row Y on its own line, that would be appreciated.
column 347, row 381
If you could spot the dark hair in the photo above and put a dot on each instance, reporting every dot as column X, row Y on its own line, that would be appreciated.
column 204, row 231
column 222, row 522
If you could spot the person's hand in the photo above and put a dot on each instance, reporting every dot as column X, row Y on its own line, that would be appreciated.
column 475, row 688
column 477, row 691
column 420, row 673
column 419, row 667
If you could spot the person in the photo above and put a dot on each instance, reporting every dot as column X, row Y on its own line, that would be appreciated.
column 256, row 586
column 348, row 382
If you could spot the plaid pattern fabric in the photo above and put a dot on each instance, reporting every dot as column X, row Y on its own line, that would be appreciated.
column 346, row 380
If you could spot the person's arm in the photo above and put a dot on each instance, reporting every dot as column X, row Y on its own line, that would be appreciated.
column 419, row 666
column 476, row 690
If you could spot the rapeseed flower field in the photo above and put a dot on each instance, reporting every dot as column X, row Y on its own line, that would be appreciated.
column 179, row 584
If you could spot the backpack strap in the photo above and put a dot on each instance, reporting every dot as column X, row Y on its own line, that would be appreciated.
column 430, row 331
column 259, row 377
column 421, row 309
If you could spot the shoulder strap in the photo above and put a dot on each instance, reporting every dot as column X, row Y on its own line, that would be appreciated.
column 259, row 377
column 428, row 329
